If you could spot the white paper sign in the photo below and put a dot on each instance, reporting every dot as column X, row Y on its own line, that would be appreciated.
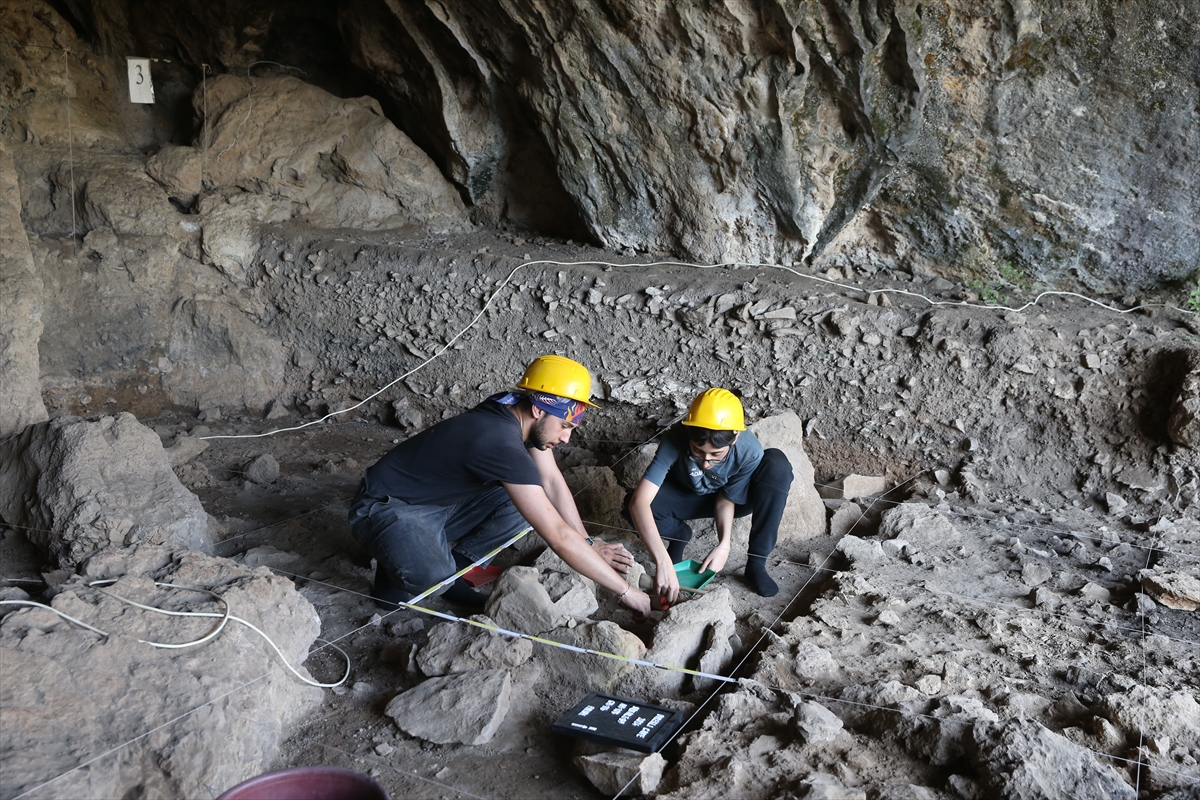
column 141, row 90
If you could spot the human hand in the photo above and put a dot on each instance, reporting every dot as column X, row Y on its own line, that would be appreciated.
column 717, row 558
column 615, row 555
column 666, row 584
column 638, row 601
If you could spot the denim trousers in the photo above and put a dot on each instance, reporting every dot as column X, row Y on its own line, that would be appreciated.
column 675, row 504
column 415, row 545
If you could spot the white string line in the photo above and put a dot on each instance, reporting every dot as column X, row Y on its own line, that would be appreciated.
column 444, row 348
column 249, row 110
column 721, row 679
column 1142, row 715
column 394, row 768
column 274, row 668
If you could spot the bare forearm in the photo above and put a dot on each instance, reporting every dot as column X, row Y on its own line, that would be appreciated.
column 643, row 520
column 723, row 516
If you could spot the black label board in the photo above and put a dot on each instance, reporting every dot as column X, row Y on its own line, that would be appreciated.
column 620, row 721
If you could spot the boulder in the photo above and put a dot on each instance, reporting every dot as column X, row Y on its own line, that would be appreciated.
column 584, row 672
column 263, row 470
column 630, row 468
column 457, row 647
column 21, row 323
column 1178, row 590
column 466, row 708
column 855, row 486
column 918, row 525
column 522, row 602
column 335, row 162
column 179, row 170
column 816, row 723
column 861, row 552
column 79, row 486
column 184, row 449
column 804, row 516
column 82, row 695
column 680, row 640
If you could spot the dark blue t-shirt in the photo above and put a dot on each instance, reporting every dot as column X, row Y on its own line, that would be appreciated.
column 455, row 459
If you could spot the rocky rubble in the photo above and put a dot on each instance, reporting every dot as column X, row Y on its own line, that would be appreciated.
column 68, row 692
column 976, row 698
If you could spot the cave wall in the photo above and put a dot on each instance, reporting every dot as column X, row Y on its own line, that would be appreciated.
column 1058, row 138
column 973, row 140
column 1055, row 141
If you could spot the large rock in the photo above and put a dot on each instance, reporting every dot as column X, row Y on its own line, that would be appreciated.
column 457, row 647
column 804, row 516
column 522, row 600
column 78, row 486
column 466, row 708
column 336, row 162
column 70, row 695
column 584, row 672
column 918, row 525
column 1021, row 760
column 681, row 639
column 20, row 312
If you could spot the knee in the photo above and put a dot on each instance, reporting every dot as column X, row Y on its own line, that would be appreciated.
column 776, row 468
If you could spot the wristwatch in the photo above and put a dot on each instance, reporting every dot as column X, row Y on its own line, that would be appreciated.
column 591, row 542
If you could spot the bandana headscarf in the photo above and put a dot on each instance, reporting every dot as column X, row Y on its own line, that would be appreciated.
column 561, row 407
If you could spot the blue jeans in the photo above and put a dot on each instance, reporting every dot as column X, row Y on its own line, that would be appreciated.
column 415, row 545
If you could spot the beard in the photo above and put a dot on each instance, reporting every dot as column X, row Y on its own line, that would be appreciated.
column 538, row 437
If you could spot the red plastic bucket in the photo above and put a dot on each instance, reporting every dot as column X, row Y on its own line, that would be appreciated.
column 308, row 783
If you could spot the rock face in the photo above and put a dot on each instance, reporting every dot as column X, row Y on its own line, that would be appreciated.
column 62, row 677
column 20, row 312
column 82, row 485
column 893, row 132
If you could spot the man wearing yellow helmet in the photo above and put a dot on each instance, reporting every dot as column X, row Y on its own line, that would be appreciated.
column 711, row 466
column 455, row 491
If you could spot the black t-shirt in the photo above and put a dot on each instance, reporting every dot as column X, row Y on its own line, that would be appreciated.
column 455, row 459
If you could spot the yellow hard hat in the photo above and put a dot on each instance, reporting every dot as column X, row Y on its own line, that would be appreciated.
column 717, row 410
column 558, row 376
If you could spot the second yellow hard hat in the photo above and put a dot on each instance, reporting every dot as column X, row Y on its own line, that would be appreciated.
column 717, row 410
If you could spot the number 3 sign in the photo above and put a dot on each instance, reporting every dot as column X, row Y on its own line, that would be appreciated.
column 141, row 90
